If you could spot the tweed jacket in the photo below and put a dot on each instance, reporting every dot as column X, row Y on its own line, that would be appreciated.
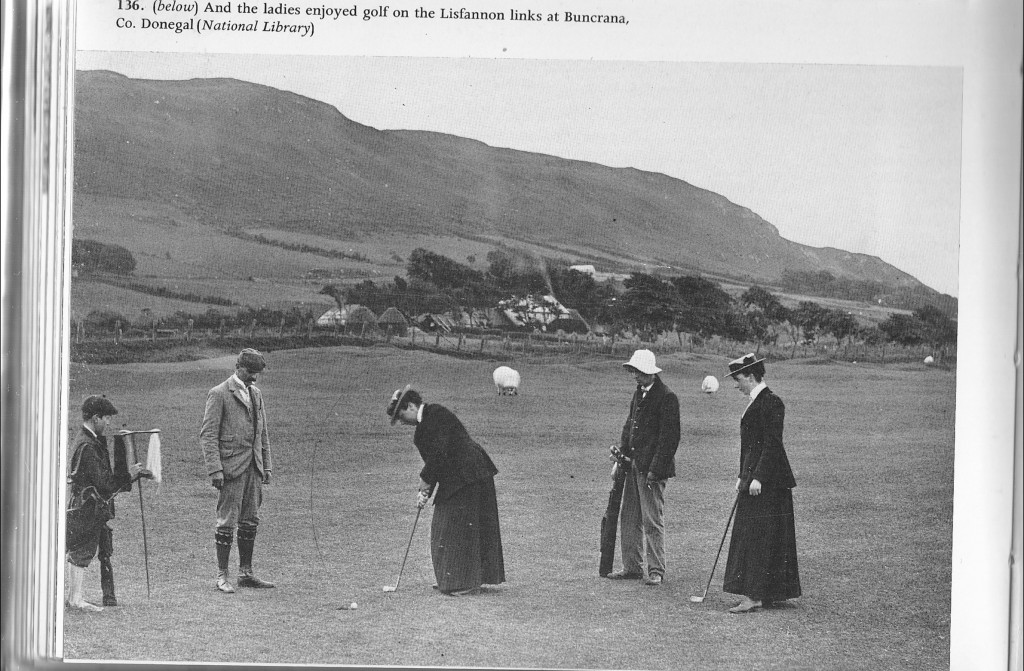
column 234, row 433
column 650, row 435
column 451, row 459
column 762, row 454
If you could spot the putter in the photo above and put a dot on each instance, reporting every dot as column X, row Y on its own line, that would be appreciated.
column 699, row 599
column 389, row 588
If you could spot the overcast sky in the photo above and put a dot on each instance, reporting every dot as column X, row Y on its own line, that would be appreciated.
column 862, row 158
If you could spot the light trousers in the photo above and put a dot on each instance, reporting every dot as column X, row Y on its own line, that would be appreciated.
column 642, row 524
column 240, row 500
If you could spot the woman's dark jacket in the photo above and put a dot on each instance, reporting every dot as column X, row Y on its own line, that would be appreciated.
column 762, row 455
column 451, row 459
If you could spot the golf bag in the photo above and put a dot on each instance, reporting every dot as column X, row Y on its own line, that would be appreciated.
column 610, row 522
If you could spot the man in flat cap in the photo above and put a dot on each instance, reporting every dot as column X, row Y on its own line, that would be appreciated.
column 236, row 449
column 647, row 450
column 93, row 486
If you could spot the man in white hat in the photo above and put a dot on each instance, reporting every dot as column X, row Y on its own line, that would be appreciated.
column 650, row 438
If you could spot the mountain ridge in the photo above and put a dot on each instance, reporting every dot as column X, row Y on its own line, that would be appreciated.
column 237, row 155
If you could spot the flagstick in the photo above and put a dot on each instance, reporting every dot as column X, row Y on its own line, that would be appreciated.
column 145, row 544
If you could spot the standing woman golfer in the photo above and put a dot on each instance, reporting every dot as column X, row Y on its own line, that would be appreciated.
column 762, row 563
column 465, row 537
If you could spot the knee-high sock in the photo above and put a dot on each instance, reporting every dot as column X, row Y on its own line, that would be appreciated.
column 246, row 541
column 223, row 540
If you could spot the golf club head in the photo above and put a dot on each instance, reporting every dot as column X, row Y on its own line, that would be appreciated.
column 388, row 588
column 697, row 599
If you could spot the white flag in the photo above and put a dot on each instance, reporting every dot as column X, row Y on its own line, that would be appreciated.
column 153, row 457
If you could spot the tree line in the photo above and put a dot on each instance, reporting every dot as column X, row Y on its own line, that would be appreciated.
column 646, row 304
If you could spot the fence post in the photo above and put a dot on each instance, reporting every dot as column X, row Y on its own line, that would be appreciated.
column 252, row 328
column 483, row 341
column 188, row 330
column 309, row 329
column 280, row 331
column 458, row 348
column 437, row 339
column 412, row 330
column 152, row 331
column 220, row 330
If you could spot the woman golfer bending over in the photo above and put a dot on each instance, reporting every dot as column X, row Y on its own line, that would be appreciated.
column 762, row 553
column 465, row 537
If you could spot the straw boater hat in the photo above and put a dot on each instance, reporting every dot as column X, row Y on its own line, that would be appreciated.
column 396, row 402
column 251, row 360
column 643, row 361
column 743, row 363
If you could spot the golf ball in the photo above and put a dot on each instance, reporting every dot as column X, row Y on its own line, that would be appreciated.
column 354, row 605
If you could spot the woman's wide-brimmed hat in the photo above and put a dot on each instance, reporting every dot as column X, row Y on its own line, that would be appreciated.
column 643, row 361
column 396, row 402
column 743, row 363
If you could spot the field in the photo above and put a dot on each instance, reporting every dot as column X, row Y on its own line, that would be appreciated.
column 872, row 448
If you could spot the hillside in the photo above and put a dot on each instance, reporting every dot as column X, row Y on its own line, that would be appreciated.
column 156, row 160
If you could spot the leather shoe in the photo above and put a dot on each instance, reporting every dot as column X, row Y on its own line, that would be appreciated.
column 463, row 592
column 224, row 586
column 653, row 579
column 109, row 601
column 745, row 606
column 252, row 581
column 624, row 575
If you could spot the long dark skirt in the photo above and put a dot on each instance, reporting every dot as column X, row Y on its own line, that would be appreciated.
column 465, row 539
column 762, row 551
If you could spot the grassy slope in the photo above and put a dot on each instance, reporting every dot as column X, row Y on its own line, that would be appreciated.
column 239, row 155
column 874, row 508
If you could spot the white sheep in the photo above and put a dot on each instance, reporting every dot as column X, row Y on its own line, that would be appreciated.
column 709, row 385
column 506, row 380
column 929, row 359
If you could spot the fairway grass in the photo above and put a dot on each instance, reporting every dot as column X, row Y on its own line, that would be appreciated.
column 871, row 447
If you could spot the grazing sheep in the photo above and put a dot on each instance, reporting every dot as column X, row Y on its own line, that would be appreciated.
column 506, row 381
column 709, row 385
column 929, row 359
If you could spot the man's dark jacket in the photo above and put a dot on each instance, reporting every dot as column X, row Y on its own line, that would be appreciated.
column 650, row 435
column 762, row 455
column 451, row 459
column 93, row 485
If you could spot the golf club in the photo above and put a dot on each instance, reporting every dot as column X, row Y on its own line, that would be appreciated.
column 699, row 599
column 389, row 588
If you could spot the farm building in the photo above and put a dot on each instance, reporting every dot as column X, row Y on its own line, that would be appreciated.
column 570, row 323
column 347, row 316
column 496, row 318
column 585, row 269
column 393, row 321
column 475, row 319
column 533, row 310
column 435, row 322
